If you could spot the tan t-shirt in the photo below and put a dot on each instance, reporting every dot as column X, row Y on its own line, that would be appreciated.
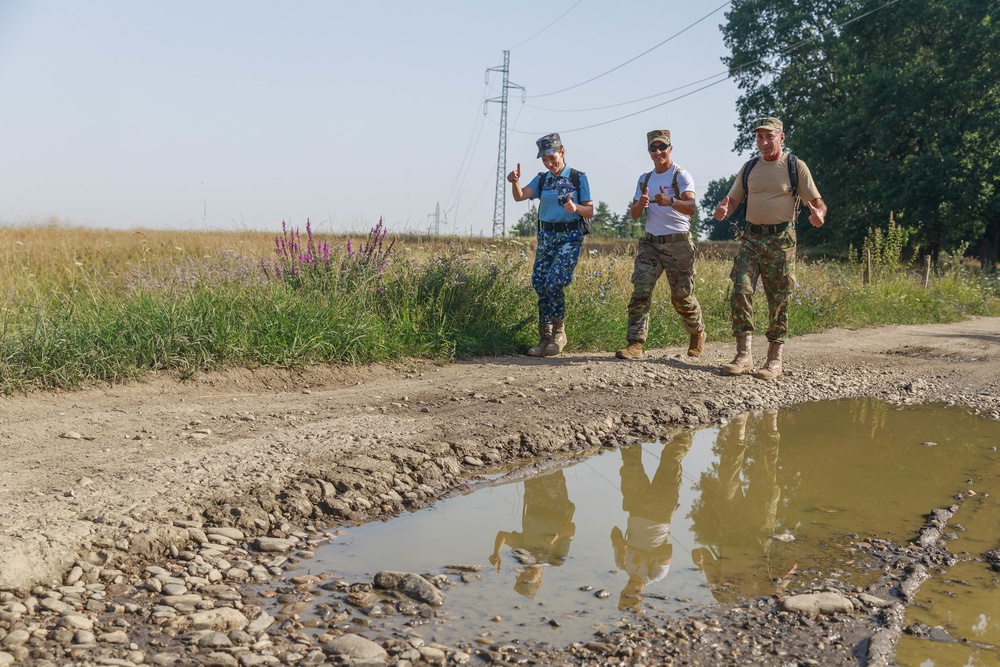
column 771, row 200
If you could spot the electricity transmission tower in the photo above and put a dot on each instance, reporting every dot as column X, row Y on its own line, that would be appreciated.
column 437, row 219
column 500, row 200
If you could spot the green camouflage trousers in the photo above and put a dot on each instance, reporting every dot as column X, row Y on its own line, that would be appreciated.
column 677, row 261
column 772, row 259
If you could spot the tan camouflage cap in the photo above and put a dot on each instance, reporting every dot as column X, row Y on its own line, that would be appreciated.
column 768, row 123
column 657, row 135
column 549, row 144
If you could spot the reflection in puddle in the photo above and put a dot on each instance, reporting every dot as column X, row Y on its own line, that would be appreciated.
column 547, row 529
column 766, row 501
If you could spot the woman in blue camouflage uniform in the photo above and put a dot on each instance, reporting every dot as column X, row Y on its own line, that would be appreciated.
column 564, row 202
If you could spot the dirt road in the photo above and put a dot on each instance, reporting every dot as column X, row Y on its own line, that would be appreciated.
column 110, row 476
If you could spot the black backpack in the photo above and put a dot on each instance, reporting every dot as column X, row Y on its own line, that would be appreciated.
column 574, row 177
column 793, row 178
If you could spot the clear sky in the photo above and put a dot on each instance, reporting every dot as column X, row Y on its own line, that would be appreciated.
column 228, row 115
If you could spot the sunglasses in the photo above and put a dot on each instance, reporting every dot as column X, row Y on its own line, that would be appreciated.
column 656, row 148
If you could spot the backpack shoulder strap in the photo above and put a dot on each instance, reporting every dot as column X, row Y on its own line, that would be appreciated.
column 541, row 182
column 745, row 174
column 793, row 173
column 574, row 177
column 677, row 169
column 645, row 180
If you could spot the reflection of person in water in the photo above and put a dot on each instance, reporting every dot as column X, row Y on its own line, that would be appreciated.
column 736, row 513
column 547, row 529
column 643, row 551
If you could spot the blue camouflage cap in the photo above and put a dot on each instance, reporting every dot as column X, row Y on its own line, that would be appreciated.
column 549, row 144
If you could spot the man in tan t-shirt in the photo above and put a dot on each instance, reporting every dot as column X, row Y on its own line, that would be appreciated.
column 767, row 247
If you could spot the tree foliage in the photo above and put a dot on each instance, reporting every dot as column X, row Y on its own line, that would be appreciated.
column 894, row 104
column 723, row 230
column 527, row 224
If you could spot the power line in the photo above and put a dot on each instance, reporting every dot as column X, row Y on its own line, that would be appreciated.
column 640, row 99
column 727, row 76
column 680, row 32
column 470, row 147
column 558, row 18
column 636, row 113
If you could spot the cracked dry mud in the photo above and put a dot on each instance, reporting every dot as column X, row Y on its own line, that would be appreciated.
column 117, row 478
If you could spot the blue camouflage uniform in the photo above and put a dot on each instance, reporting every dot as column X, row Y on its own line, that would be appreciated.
column 558, row 251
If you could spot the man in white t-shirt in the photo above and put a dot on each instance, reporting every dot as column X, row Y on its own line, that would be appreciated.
column 667, row 195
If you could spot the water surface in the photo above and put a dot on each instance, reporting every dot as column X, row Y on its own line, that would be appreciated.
column 767, row 501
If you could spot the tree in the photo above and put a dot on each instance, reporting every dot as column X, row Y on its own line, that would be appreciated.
column 895, row 106
column 603, row 222
column 527, row 224
column 723, row 230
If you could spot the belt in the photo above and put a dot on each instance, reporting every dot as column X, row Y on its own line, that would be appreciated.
column 560, row 226
column 669, row 238
column 768, row 229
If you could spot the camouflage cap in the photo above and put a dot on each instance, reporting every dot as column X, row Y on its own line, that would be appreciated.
column 768, row 123
column 657, row 135
column 549, row 144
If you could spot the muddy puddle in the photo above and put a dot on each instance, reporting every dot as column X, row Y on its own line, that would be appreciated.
column 749, row 507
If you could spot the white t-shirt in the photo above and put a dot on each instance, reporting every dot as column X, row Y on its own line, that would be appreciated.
column 661, row 220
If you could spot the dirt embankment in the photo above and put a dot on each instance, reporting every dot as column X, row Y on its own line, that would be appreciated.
column 109, row 477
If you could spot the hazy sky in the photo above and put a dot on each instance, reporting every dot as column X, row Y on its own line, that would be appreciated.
column 238, row 115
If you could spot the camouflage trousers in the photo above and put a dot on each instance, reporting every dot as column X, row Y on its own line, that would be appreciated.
column 555, row 261
column 677, row 261
column 771, row 258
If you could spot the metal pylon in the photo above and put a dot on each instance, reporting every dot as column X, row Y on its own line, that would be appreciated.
column 500, row 198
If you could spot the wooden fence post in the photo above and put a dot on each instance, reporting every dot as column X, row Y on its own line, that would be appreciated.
column 927, row 271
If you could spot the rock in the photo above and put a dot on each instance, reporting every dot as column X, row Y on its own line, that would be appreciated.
column 218, row 659
column 818, row 603
column 600, row 647
column 273, row 544
column 411, row 585
column 15, row 638
column 224, row 619
column 360, row 650
column 873, row 601
column 114, row 637
column 260, row 624
column 234, row 534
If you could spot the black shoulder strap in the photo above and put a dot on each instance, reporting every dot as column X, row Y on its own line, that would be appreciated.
column 541, row 182
column 745, row 174
column 645, row 182
column 793, row 173
column 574, row 177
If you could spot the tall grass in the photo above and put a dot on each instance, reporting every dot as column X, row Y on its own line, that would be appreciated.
column 87, row 306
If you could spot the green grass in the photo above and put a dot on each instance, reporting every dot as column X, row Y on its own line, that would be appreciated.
column 73, row 322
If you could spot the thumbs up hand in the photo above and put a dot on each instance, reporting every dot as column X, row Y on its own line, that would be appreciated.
column 662, row 198
column 722, row 210
column 644, row 199
column 515, row 175
column 817, row 215
column 570, row 206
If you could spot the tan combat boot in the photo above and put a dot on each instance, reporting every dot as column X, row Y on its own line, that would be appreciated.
column 772, row 367
column 631, row 351
column 545, row 333
column 743, row 361
column 558, row 340
column 697, row 344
